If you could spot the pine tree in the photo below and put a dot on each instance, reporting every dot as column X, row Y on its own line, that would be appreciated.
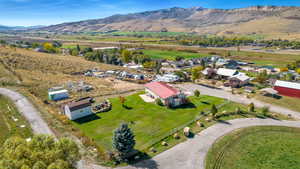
column 123, row 140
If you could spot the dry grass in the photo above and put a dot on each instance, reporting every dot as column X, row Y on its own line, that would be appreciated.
column 288, row 102
column 40, row 71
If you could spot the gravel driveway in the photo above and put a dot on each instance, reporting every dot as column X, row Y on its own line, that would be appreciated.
column 38, row 125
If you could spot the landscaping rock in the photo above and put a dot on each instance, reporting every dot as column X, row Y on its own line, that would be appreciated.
column 176, row 136
column 152, row 149
column 164, row 143
column 208, row 119
column 186, row 131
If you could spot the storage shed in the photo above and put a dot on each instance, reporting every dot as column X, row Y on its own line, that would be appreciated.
column 57, row 95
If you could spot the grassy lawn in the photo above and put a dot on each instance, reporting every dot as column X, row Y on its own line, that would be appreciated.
column 267, row 147
column 171, row 54
column 288, row 102
column 152, row 123
column 149, row 122
column 8, row 126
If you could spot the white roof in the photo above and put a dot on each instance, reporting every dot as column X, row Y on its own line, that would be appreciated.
column 104, row 48
column 286, row 84
column 242, row 77
column 58, row 92
column 226, row 72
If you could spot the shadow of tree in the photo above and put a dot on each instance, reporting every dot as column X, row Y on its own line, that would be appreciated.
column 204, row 102
column 145, row 161
column 223, row 121
column 185, row 106
column 127, row 107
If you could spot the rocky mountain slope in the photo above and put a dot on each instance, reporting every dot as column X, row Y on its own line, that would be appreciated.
column 251, row 20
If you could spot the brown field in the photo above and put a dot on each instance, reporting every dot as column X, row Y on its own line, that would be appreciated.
column 40, row 71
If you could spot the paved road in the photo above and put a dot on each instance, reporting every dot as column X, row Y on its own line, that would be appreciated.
column 38, row 125
column 237, row 98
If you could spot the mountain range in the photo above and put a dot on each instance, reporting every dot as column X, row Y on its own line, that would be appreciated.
column 9, row 28
column 250, row 20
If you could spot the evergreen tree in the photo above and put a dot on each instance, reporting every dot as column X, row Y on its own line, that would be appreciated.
column 78, row 48
column 123, row 140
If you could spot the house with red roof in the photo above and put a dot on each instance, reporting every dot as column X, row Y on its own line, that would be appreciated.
column 169, row 95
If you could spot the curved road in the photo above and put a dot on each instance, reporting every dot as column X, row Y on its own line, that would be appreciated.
column 38, row 125
column 187, row 155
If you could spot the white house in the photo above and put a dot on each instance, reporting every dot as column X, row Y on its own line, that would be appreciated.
column 56, row 95
column 78, row 109
column 167, row 78
column 226, row 72
column 167, row 94
column 239, row 80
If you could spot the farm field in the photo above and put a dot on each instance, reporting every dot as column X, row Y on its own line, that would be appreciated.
column 40, row 71
column 259, row 58
column 267, row 147
column 171, row 54
column 11, row 121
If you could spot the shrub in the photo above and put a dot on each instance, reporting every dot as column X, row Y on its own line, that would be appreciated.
column 197, row 93
column 214, row 110
column 265, row 111
column 238, row 110
column 159, row 102
column 41, row 151
column 251, row 107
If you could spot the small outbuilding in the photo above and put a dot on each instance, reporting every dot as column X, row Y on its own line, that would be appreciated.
column 78, row 109
column 56, row 95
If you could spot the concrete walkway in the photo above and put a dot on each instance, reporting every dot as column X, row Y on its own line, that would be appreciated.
column 38, row 125
column 237, row 98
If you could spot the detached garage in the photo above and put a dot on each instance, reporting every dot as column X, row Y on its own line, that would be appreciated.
column 285, row 88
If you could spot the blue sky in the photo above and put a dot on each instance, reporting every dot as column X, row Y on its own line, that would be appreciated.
column 47, row 12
